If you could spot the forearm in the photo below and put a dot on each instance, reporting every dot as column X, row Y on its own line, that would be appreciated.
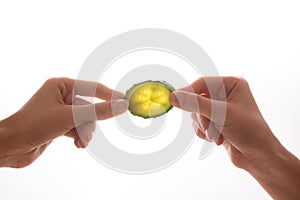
column 3, row 151
column 279, row 174
column 6, row 143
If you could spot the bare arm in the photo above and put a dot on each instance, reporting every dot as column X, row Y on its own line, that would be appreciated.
column 49, row 114
column 247, row 138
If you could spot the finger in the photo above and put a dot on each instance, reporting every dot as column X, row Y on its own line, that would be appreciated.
column 75, row 115
column 80, row 101
column 85, row 132
column 78, row 143
column 194, row 118
column 212, row 133
column 216, row 87
column 190, row 102
column 72, row 133
column 82, row 135
column 70, row 87
column 196, row 103
column 220, row 140
column 202, row 123
column 100, row 111
column 94, row 89
column 108, row 110
column 207, row 85
column 198, row 132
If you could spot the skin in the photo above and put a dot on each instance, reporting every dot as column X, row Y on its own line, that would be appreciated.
column 49, row 114
column 247, row 138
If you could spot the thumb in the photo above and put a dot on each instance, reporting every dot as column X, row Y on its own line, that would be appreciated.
column 191, row 102
column 100, row 111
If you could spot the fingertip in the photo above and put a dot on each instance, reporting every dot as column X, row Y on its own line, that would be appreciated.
column 176, row 98
column 186, row 101
column 76, row 142
column 119, row 106
column 198, row 131
column 201, row 135
column 220, row 141
column 173, row 100
column 82, row 144
column 117, row 95
column 106, row 110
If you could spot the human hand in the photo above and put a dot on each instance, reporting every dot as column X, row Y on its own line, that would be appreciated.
column 49, row 114
column 244, row 133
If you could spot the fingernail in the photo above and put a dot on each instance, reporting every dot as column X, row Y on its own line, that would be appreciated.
column 176, row 98
column 117, row 95
column 119, row 106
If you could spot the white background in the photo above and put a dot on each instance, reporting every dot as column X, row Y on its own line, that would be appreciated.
column 258, row 40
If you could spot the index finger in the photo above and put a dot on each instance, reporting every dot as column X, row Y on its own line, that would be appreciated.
column 94, row 89
column 214, row 110
column 216, row 87
column 90, row 89
column 212, row 86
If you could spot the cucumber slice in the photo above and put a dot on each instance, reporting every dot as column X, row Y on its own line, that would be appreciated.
column 149, row 99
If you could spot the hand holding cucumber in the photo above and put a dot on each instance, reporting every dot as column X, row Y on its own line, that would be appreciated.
column 249, row 141
column 247, row 138
column 49, row 114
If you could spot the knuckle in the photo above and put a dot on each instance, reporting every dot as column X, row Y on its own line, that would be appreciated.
column 241, row 80
column 57, row 80
column 237, row 81
column 51, row 80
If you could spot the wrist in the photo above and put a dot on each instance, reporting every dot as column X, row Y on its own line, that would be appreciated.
column 6, row 144
column 278, row 172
